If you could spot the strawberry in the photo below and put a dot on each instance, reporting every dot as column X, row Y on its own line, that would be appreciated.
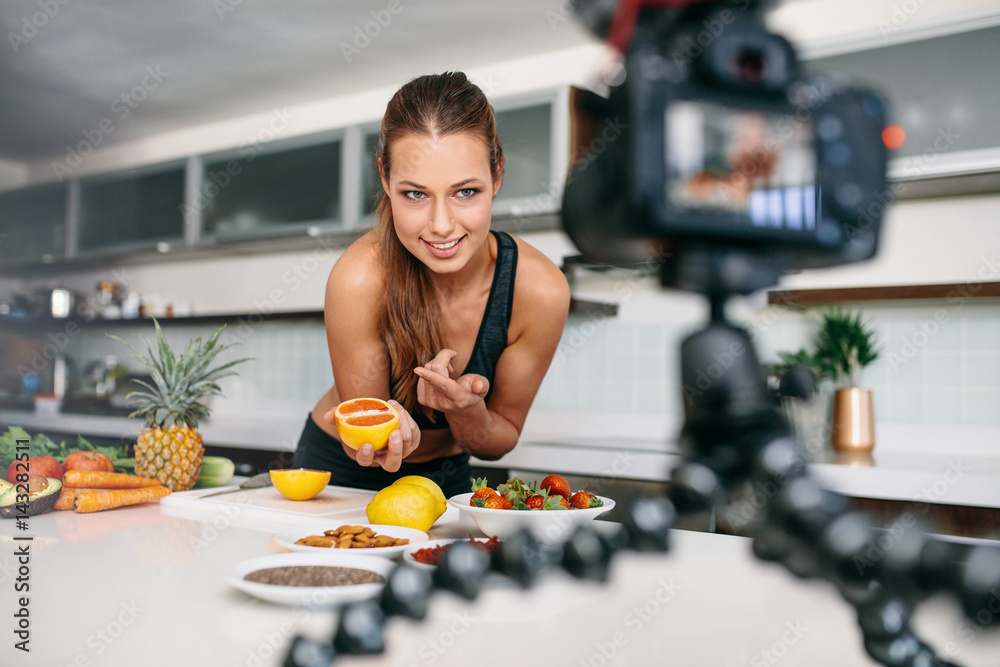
column 556, row 486
column 498, row 502
column 480, row 492
column 555, row 503
column 581, row 500
column 535, row 502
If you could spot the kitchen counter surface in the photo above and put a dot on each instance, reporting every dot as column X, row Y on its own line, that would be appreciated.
column 144, row 585
column 918, row 463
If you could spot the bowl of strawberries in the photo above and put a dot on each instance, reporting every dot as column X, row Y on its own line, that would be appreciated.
column 550, row 510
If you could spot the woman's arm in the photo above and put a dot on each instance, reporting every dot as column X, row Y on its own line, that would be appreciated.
column 360, row 362
column 490, row 430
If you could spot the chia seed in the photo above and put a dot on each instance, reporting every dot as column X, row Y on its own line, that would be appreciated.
column 314, row 575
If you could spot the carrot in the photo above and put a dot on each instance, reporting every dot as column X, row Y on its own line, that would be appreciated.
column 95, row 500
column 66, row 498
column 92, row 479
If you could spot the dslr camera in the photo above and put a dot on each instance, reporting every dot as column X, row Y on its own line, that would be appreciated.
column 732, row 167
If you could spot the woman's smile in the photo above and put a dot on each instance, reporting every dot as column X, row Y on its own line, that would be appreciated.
column 444, row 249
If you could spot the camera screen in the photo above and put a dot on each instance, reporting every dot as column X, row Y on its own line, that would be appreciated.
column 760, row 166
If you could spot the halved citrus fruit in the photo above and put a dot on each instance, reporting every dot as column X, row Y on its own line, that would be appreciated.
column 361, row 420
column 301, row 483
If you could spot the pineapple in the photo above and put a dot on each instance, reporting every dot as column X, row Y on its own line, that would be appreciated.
column 170, row 447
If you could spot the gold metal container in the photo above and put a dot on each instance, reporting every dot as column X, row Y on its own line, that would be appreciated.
column 853, row 426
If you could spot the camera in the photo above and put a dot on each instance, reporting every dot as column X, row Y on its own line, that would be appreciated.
column 732, row 167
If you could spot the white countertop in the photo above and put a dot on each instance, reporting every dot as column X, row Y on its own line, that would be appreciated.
column 919, row 463
column 138, row 585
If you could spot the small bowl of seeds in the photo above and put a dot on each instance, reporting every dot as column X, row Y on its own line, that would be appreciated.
column 309, row 579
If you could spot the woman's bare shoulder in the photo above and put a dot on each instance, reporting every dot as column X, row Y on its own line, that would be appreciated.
column 359, row 268
column 539, row 284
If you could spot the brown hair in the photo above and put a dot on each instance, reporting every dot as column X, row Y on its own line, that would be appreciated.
column 433, row 105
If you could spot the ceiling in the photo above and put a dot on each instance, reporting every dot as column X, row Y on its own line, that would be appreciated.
column 198, row 61
column 65, row 65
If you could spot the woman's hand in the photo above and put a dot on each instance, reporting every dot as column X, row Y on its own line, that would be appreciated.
column 438, row 391
column 402, row 442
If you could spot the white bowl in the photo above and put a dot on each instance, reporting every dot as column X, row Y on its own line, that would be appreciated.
column 430, row 544
column 548, row 526
column 287, row 539
column 309, row 596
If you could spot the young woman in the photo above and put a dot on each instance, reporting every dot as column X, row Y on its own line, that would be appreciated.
column 455, row 324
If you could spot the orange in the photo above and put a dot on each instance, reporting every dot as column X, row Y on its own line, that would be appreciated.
column 362, row 420
column 301, row 483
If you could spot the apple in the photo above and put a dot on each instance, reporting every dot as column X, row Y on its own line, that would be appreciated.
column 46, row 466
column 82, row 459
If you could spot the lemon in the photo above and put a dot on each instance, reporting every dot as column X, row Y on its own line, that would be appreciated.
column 407, row 505
column 301, row 483
column 429, row 485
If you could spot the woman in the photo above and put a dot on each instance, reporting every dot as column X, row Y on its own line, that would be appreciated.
column 455, row 324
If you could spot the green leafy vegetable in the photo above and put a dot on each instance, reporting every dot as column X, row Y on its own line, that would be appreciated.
column 41, row 445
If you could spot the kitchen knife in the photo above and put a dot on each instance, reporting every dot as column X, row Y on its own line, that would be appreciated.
column 255, row 482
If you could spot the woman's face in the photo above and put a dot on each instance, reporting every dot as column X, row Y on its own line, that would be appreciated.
column 441, row 191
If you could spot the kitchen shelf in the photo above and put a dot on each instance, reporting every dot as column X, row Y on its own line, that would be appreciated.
column 804, row 298
column 209, row 318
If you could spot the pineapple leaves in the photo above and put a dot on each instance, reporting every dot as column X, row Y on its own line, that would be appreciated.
column 180, row 382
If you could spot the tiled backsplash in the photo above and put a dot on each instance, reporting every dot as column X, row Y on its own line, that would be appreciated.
column 939, row 363
column 289, row 358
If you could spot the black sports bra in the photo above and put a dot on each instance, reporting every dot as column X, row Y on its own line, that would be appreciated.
column 492, row 337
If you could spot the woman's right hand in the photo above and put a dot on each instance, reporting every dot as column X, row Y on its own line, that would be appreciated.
column 402, row 442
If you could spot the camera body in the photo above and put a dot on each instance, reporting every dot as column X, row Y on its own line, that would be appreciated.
column 726, row 151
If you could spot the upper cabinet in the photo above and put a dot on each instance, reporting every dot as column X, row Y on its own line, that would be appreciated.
column 248, row 194
column 131, row 211
column 296, row 189
column 33, row 224
column 942, row 90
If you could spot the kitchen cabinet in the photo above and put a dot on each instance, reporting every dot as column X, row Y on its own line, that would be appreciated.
column 33, row 224
column 952, row 140
column 131, row 211
column 247, row 193
column 252, row 195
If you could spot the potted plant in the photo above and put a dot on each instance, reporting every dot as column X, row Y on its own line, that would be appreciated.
column 844, row 345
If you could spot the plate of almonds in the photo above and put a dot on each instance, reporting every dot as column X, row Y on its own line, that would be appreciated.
column 369, row 539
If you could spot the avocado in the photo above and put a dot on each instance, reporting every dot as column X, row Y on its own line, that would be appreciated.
column 39, row 501
column 4, row 486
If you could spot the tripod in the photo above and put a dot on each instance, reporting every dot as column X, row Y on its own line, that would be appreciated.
column 733, row 438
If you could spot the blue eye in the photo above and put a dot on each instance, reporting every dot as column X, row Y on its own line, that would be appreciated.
column 414, row 194
column 465, row 193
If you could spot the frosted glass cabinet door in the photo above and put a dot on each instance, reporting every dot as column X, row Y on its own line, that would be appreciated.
column 33, row 224
column 251, row 194
column 131, row 211
column 526, row 137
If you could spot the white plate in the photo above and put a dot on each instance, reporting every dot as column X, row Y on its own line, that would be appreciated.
column 309, row 596
column 287, row 539
column 548, row 526
column 430, row 544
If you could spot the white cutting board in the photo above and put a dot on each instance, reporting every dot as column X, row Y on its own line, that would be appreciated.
column 334, row 502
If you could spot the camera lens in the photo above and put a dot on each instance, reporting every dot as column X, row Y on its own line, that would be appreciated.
column 750, row 66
